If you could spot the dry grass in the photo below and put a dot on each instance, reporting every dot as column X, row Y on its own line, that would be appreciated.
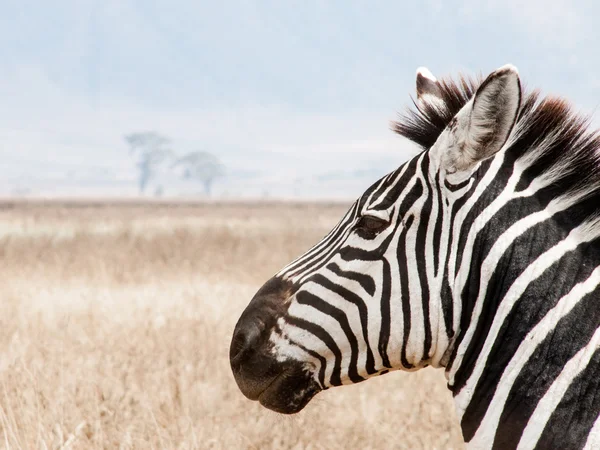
column 115, row 323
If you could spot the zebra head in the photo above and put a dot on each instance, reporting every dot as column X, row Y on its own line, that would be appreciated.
column 373, row 295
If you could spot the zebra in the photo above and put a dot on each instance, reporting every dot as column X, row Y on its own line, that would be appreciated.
column 480, row 255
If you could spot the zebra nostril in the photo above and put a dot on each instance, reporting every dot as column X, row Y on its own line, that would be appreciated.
column 245, row 338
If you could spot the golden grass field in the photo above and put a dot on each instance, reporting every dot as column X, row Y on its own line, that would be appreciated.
column 115, row 323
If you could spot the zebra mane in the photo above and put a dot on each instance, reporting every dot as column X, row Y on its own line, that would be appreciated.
column 558, row 141
column 424, row 124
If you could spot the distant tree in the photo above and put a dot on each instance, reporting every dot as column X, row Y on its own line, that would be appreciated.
column 203, row 167
column 151, row 150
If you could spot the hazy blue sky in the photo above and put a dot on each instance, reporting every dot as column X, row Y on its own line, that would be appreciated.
column 279, row 90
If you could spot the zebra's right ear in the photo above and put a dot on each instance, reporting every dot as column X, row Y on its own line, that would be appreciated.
column 484, row 124
column 428, row 88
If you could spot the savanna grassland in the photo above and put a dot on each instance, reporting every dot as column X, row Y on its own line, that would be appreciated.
column 115, row 323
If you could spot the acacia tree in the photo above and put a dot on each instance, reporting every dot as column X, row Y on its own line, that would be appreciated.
column 203, row 167
column 151, row 150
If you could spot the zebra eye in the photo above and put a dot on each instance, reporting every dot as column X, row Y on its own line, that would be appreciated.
column 371, row 224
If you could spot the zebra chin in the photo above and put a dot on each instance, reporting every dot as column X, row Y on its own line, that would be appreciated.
column 286, row 390
column 285, row 387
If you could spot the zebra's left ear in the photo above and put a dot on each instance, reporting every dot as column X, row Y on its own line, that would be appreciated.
column 484, row 124
column 428, row 88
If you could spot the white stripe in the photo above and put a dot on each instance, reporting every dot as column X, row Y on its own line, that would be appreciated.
column 582, row 233
column 300, row 277
column 488, row 179
column 439, row 338
column 336, row 332
column 312, row 342
column 555, row 393
column 394, row 345
column 537, row 335
column 296, row 265
column 416, row 337
column 283, row 350
column 370, row 203
column 489, row 212
column 489, row 264
column 325, row 247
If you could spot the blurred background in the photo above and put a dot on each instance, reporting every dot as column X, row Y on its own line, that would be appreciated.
column 160, row 160
column 241, row 99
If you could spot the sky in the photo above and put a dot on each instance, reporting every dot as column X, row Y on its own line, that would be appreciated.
column 294, row 97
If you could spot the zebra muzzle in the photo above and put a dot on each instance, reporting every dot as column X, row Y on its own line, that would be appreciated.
column 282, row 386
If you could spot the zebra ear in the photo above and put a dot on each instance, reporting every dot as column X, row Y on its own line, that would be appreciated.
column 486, row 123
column 428, row 88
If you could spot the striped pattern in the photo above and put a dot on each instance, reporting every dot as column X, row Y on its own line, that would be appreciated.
column 495, row 277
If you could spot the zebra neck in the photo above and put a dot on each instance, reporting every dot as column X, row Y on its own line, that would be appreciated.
column 527, row 295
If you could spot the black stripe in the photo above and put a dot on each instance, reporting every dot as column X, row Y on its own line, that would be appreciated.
column 354, row 253
column 457, row 207
column 547, row 361
column 399, row 186
column 485, row 240
column 525, row 248
column 458, row 186
column 437, row 229
column 544, row 234
column 317, row 250
column 486, row 198
column 319, row 260
column 306, row 298
column 365, row 281
column 549, row 357
column 319, row 332
column 312, row 353
column 363, row 312
column 404, row 290
column 384, row 332
column 446, row 292
column 421, row 258
column 543, row 367
column 573, row 419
